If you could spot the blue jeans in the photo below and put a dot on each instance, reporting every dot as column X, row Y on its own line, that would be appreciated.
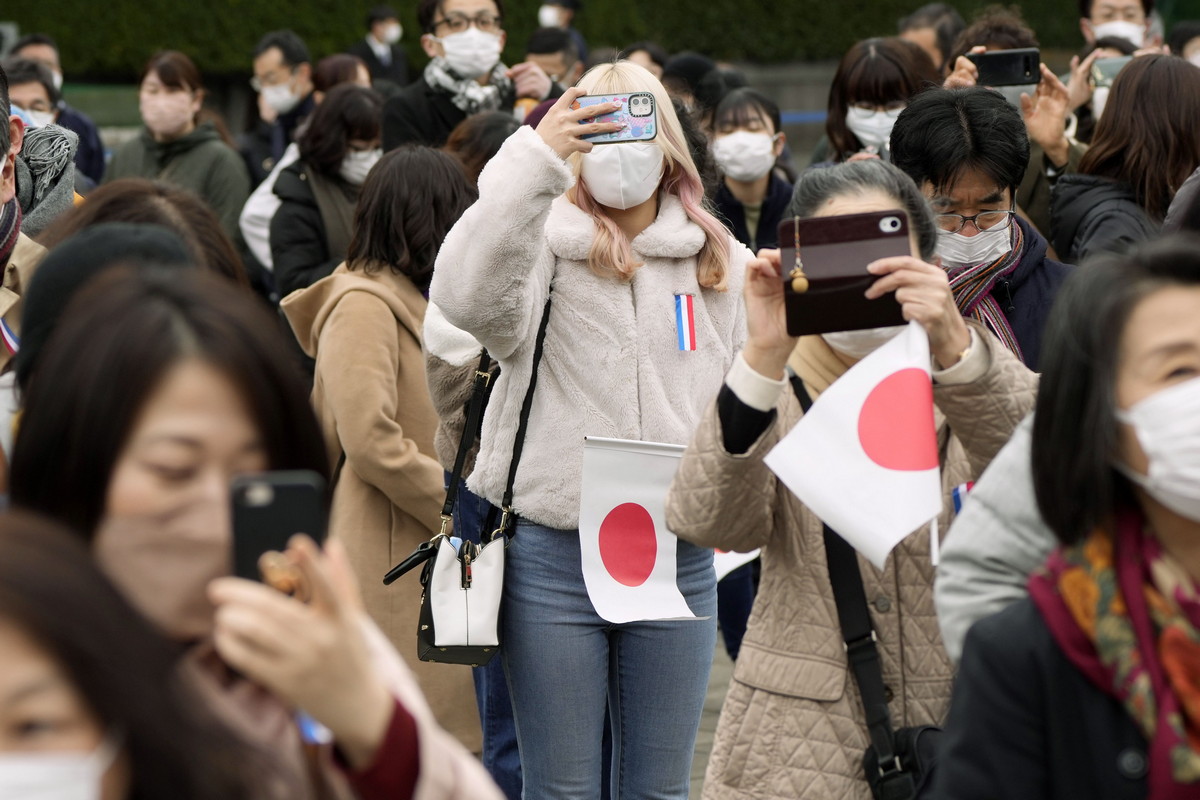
column 566, row 665
column 501, row 758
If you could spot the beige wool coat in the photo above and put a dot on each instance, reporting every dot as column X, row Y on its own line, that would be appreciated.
column 364, row 330
column 793, row 725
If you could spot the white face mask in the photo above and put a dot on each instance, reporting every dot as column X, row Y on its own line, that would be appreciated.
column 745, row 156
column 549, row 16
column 356, row 165
column 1129, row 31
column 622, row 175
column 281, row 98
column 1013, row 93
column 860, row 344
column 1194, row 58
column 392, row 33
column 471, row 53
column 984, row 247
column 873, row 128
column 40, row 119
column 56, row 776
column 1167, row 425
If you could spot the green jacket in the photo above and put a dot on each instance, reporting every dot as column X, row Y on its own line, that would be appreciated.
column 200, row 162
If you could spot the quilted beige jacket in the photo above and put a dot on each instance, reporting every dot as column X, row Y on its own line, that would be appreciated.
column 792, row 725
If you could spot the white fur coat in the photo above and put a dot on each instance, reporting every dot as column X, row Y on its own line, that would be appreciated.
column 612, row 366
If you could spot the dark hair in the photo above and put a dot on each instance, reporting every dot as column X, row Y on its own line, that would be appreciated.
column 128, row 675
column 699, row 148
column 85, row 397
column 24, row 70
column 876, row 71
column 1125, row 46
column 656, row 52
column 140, row 201
column 6, row 108
column 175, row 70
column 741, row 107
column 409, row 202
column 997, row 28
column 1147, row 136
column 291, row 47
column 335, row 70
column 477, row 138
column 944, row 132
column 943, row 19
column 1085, row 7
column 698, row 75
column 1075, row 425
column 551, row 41
column 379, row 14
column 348, row 112
column 815, row 187
column 1181, row 34
column 32, row 39
column 427, row 11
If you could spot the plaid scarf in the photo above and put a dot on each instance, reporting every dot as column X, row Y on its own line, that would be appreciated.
column 972, row 289
column 1127, row 615
column 467, row 95
column 10, row 228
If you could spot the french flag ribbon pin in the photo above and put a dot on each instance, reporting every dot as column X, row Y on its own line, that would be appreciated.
column 685, row 321
column 959, row 494
column 11, row 341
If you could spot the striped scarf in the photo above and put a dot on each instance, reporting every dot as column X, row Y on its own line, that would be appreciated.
column 972, row 289
column 10, row 228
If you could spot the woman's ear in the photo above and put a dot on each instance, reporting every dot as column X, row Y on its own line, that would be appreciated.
column 780, row 143
column 432, row 48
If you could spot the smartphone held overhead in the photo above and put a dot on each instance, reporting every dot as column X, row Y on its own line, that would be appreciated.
column 825, row 270
column 637, row 113
column 1020, row 67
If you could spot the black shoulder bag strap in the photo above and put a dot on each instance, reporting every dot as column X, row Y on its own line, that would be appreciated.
column 862, row 652
column 474, row 415
column 508, row 520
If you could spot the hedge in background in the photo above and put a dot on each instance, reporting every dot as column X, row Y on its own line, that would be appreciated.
column 113, row 40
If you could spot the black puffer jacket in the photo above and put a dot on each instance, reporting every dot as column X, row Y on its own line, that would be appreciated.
column 299, row 238
column 1090, row 215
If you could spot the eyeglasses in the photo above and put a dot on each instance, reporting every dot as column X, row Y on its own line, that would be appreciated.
column 984, row 220
column 272, row 79
column 457, row 23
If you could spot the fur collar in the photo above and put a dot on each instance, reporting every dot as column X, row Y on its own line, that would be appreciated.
column 570, row 232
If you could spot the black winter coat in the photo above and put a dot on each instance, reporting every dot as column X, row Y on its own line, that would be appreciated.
column 774, row 207
column 1090, row 215
column 299, row 243
column 1025, row 724
column 1026, row 296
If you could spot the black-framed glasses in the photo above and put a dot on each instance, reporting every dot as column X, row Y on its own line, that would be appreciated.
column 983, row 221
column 457, row 23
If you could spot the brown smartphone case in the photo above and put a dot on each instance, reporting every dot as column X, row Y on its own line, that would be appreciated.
column 835, row 252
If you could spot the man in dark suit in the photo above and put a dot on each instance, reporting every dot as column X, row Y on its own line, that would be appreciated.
column 380, row 51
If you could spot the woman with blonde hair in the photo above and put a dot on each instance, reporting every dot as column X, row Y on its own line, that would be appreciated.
column 617, row 236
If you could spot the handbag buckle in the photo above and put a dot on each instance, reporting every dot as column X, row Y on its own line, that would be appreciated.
column 446, row 520
column 486, row 377
column 502, row 530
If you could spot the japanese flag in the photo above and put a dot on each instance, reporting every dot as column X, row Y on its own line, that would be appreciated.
column 628, row 554
column 864, row 458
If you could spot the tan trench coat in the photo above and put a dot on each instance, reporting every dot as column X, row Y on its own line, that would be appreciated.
column 792, row 725
column 373, row 402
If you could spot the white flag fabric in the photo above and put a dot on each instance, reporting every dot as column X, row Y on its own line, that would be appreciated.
column 864, row 458
column 628, row 554
column 726, row 561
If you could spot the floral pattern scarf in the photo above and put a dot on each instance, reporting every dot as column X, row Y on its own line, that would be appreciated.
column 1128, row 616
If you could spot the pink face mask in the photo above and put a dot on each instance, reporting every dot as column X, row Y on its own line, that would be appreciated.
column 167, row 114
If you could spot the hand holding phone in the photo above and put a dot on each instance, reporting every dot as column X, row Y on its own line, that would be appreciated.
column 269, row 508
column 563, row 128
column 1020, row 67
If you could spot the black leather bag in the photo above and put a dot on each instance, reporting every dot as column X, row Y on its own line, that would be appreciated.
column 899, row 764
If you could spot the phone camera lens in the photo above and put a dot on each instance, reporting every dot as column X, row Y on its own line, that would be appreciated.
column 259, row 494
column 889, row 224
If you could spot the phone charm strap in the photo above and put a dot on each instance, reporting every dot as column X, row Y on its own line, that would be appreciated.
column 799, row 279
column 685, row 321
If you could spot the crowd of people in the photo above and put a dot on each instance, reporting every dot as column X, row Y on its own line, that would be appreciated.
column 323, row 293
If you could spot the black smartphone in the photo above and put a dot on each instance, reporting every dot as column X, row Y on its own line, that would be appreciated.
column 1019, row 67
column 271, row 507
column 834, row 254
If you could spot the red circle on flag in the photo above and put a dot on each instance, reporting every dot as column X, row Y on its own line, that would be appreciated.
column 628, row 545
column 895, row 425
